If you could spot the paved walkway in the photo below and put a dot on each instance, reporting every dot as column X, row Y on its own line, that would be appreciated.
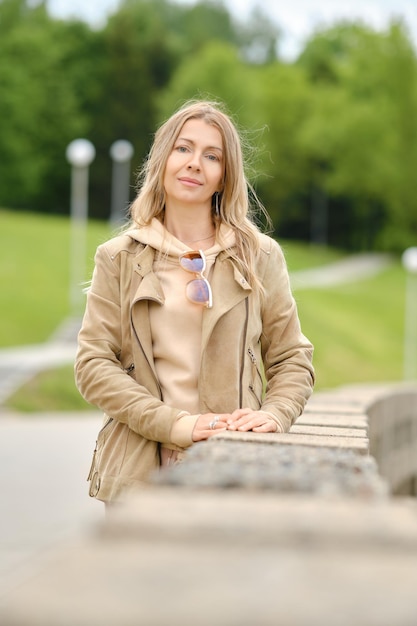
column 44, row 458
column 44, row 464
column 350, row 269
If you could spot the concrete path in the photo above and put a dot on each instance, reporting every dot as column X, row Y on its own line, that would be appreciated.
column 350, row 269
column 44, row 462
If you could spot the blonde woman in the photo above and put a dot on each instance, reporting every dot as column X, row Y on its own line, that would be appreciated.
column 190, row 326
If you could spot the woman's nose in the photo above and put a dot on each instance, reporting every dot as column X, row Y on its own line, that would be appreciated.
column 194, row 162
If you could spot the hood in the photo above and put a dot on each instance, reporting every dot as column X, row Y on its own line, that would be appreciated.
column 157, row 236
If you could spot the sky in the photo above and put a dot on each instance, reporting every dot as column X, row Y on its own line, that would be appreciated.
column 296, row 18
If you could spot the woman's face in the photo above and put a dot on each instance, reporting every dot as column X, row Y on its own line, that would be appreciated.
column 195, row 167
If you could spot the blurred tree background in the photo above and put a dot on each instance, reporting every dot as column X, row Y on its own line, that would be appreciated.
column 333, row 133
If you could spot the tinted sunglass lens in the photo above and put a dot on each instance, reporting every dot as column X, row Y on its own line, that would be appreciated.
column 197, row 290
column 192, row 263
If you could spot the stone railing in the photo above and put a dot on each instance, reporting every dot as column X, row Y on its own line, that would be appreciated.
column 360, row 439
column 299, row 529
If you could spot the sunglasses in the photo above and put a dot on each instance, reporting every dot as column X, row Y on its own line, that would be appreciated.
column 198, row 290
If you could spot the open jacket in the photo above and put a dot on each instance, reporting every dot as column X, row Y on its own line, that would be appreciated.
column 253, row 354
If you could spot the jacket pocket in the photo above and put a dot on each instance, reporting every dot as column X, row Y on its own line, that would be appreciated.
column 93, row 475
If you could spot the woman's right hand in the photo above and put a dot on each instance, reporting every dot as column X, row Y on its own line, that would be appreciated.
column 208, row 424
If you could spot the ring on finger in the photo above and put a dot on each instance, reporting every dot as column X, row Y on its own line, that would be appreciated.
column 213, row 422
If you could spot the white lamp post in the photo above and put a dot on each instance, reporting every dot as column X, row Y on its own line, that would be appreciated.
column 80, row 153
column 121, row 152
column 409, row 260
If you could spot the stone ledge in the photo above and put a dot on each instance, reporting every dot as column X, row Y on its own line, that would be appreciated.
column 231, row 558
column 328, row 431
column 233, row 516
column 240, row 460
column 358, row 444
column 338, row 420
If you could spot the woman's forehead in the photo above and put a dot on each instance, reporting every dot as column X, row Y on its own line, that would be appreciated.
column 200, row 131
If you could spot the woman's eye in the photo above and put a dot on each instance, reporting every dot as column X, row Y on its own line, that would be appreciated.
column 181, row 148
column 213, row 157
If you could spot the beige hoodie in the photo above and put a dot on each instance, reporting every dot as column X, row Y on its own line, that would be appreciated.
column 176, row 326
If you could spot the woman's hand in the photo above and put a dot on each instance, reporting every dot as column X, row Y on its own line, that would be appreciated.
column 208, row 424
column 248, row 419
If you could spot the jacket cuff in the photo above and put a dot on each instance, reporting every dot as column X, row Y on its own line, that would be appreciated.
column 182, row 430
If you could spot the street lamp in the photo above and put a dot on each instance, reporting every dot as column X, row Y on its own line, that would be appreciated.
column 121, row 152
column 80, row 153
column 409, row 260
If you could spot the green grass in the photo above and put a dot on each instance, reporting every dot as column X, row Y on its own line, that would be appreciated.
column 51, row 390
column 34, row 273
column 300, row 256
column 357, row 329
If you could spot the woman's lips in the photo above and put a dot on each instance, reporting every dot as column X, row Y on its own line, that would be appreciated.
column 190, row 181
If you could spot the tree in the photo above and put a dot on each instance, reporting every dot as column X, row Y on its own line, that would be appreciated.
column 38, row 109
column 143, row 44
column 360, row 136
column 281, row 104
column 258, row 38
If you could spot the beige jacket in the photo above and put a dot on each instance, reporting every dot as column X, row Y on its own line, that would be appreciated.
column 243, row 336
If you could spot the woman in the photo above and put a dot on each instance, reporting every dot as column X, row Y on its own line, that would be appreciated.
column 190, row 327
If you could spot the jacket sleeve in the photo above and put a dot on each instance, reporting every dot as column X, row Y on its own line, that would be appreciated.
column 102, row 373
column 287, row 353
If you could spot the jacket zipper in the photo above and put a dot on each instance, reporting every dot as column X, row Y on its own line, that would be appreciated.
column 242, row 365
column 255, row 372
column 254, row 362
column 147, row 360
column 90, row 473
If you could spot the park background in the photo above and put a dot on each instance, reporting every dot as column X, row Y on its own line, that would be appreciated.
column 330, row 143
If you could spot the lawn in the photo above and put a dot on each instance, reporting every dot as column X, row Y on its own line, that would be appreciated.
column 357, row 328
column 34, row 273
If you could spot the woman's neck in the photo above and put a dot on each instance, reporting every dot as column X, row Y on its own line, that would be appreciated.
column 190, row 231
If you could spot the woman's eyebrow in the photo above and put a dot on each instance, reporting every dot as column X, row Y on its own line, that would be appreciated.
column 193, row 142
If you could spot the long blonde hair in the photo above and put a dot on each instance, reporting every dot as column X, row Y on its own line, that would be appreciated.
column 237, row 201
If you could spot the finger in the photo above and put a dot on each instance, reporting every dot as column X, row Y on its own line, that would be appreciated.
column 238, row 413
column 219, row 426
column 217, row 421
column 257, row 424
column 250, row 425
column 212, row 433
column 250, row 419
column 269, row 427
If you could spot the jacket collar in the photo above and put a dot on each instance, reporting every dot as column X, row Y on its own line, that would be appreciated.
column 229, row 287
column 228, row 284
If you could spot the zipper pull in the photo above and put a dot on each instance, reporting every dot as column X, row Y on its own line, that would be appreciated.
column 254, row 363
column 252, row 356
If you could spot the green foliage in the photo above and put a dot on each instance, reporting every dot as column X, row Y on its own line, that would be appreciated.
column 199, row 76
column 334, row 134
column 282, row 97
column 366, row 86
column 41, row 109
column 259, row 38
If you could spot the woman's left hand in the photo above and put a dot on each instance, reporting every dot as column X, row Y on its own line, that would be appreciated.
column 248, row 419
